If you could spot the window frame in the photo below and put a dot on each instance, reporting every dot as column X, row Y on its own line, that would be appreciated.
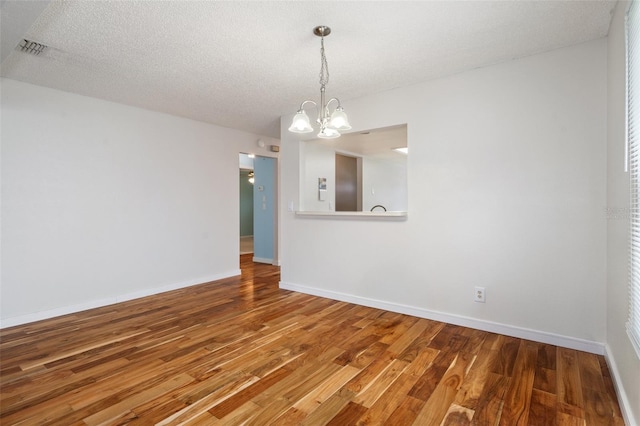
column 632, row 165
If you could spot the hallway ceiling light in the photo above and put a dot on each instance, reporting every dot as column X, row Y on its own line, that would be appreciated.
column 330, row 123
column 251, row 178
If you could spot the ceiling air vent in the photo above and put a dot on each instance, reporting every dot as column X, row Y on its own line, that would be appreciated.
column 31, row 47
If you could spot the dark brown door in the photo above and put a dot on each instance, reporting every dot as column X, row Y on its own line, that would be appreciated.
column 346, row 183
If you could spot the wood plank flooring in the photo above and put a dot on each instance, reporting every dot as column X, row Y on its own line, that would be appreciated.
column 242, row 351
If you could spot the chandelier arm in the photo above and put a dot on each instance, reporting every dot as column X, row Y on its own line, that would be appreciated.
column 305, row 102
column 331, row 100
column 315, row 104
column 326, row 113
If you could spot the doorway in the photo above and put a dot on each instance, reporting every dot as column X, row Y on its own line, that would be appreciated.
column 246, row 204
column 258, row 207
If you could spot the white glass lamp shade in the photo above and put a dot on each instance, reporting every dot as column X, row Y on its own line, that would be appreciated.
column 339, row 119
column 300, row 123
column 328, row 133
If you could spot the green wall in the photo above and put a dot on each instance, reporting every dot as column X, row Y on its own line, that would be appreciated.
column 246, row 204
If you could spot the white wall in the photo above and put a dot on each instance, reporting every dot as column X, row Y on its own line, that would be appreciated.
column 103, row 202
column 622, row 357
column 507, row 177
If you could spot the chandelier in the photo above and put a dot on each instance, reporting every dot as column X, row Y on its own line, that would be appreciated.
column 331, row 123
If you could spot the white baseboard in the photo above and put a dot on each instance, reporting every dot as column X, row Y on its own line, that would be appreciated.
column 65, row 310
column 623, row 399
column 263, row 260
column 508, row 330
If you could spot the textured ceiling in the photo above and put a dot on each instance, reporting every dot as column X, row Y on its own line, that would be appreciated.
column 243, row 64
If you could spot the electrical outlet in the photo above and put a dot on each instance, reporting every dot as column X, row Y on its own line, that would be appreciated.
column 479, row 295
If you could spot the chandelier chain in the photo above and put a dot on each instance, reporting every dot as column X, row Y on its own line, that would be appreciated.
column 324, row 67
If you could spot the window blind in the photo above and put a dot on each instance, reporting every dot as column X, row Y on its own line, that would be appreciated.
column 633, row 144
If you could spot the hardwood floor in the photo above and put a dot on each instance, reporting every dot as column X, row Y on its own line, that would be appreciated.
column 246, row 244
column 242, row 351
